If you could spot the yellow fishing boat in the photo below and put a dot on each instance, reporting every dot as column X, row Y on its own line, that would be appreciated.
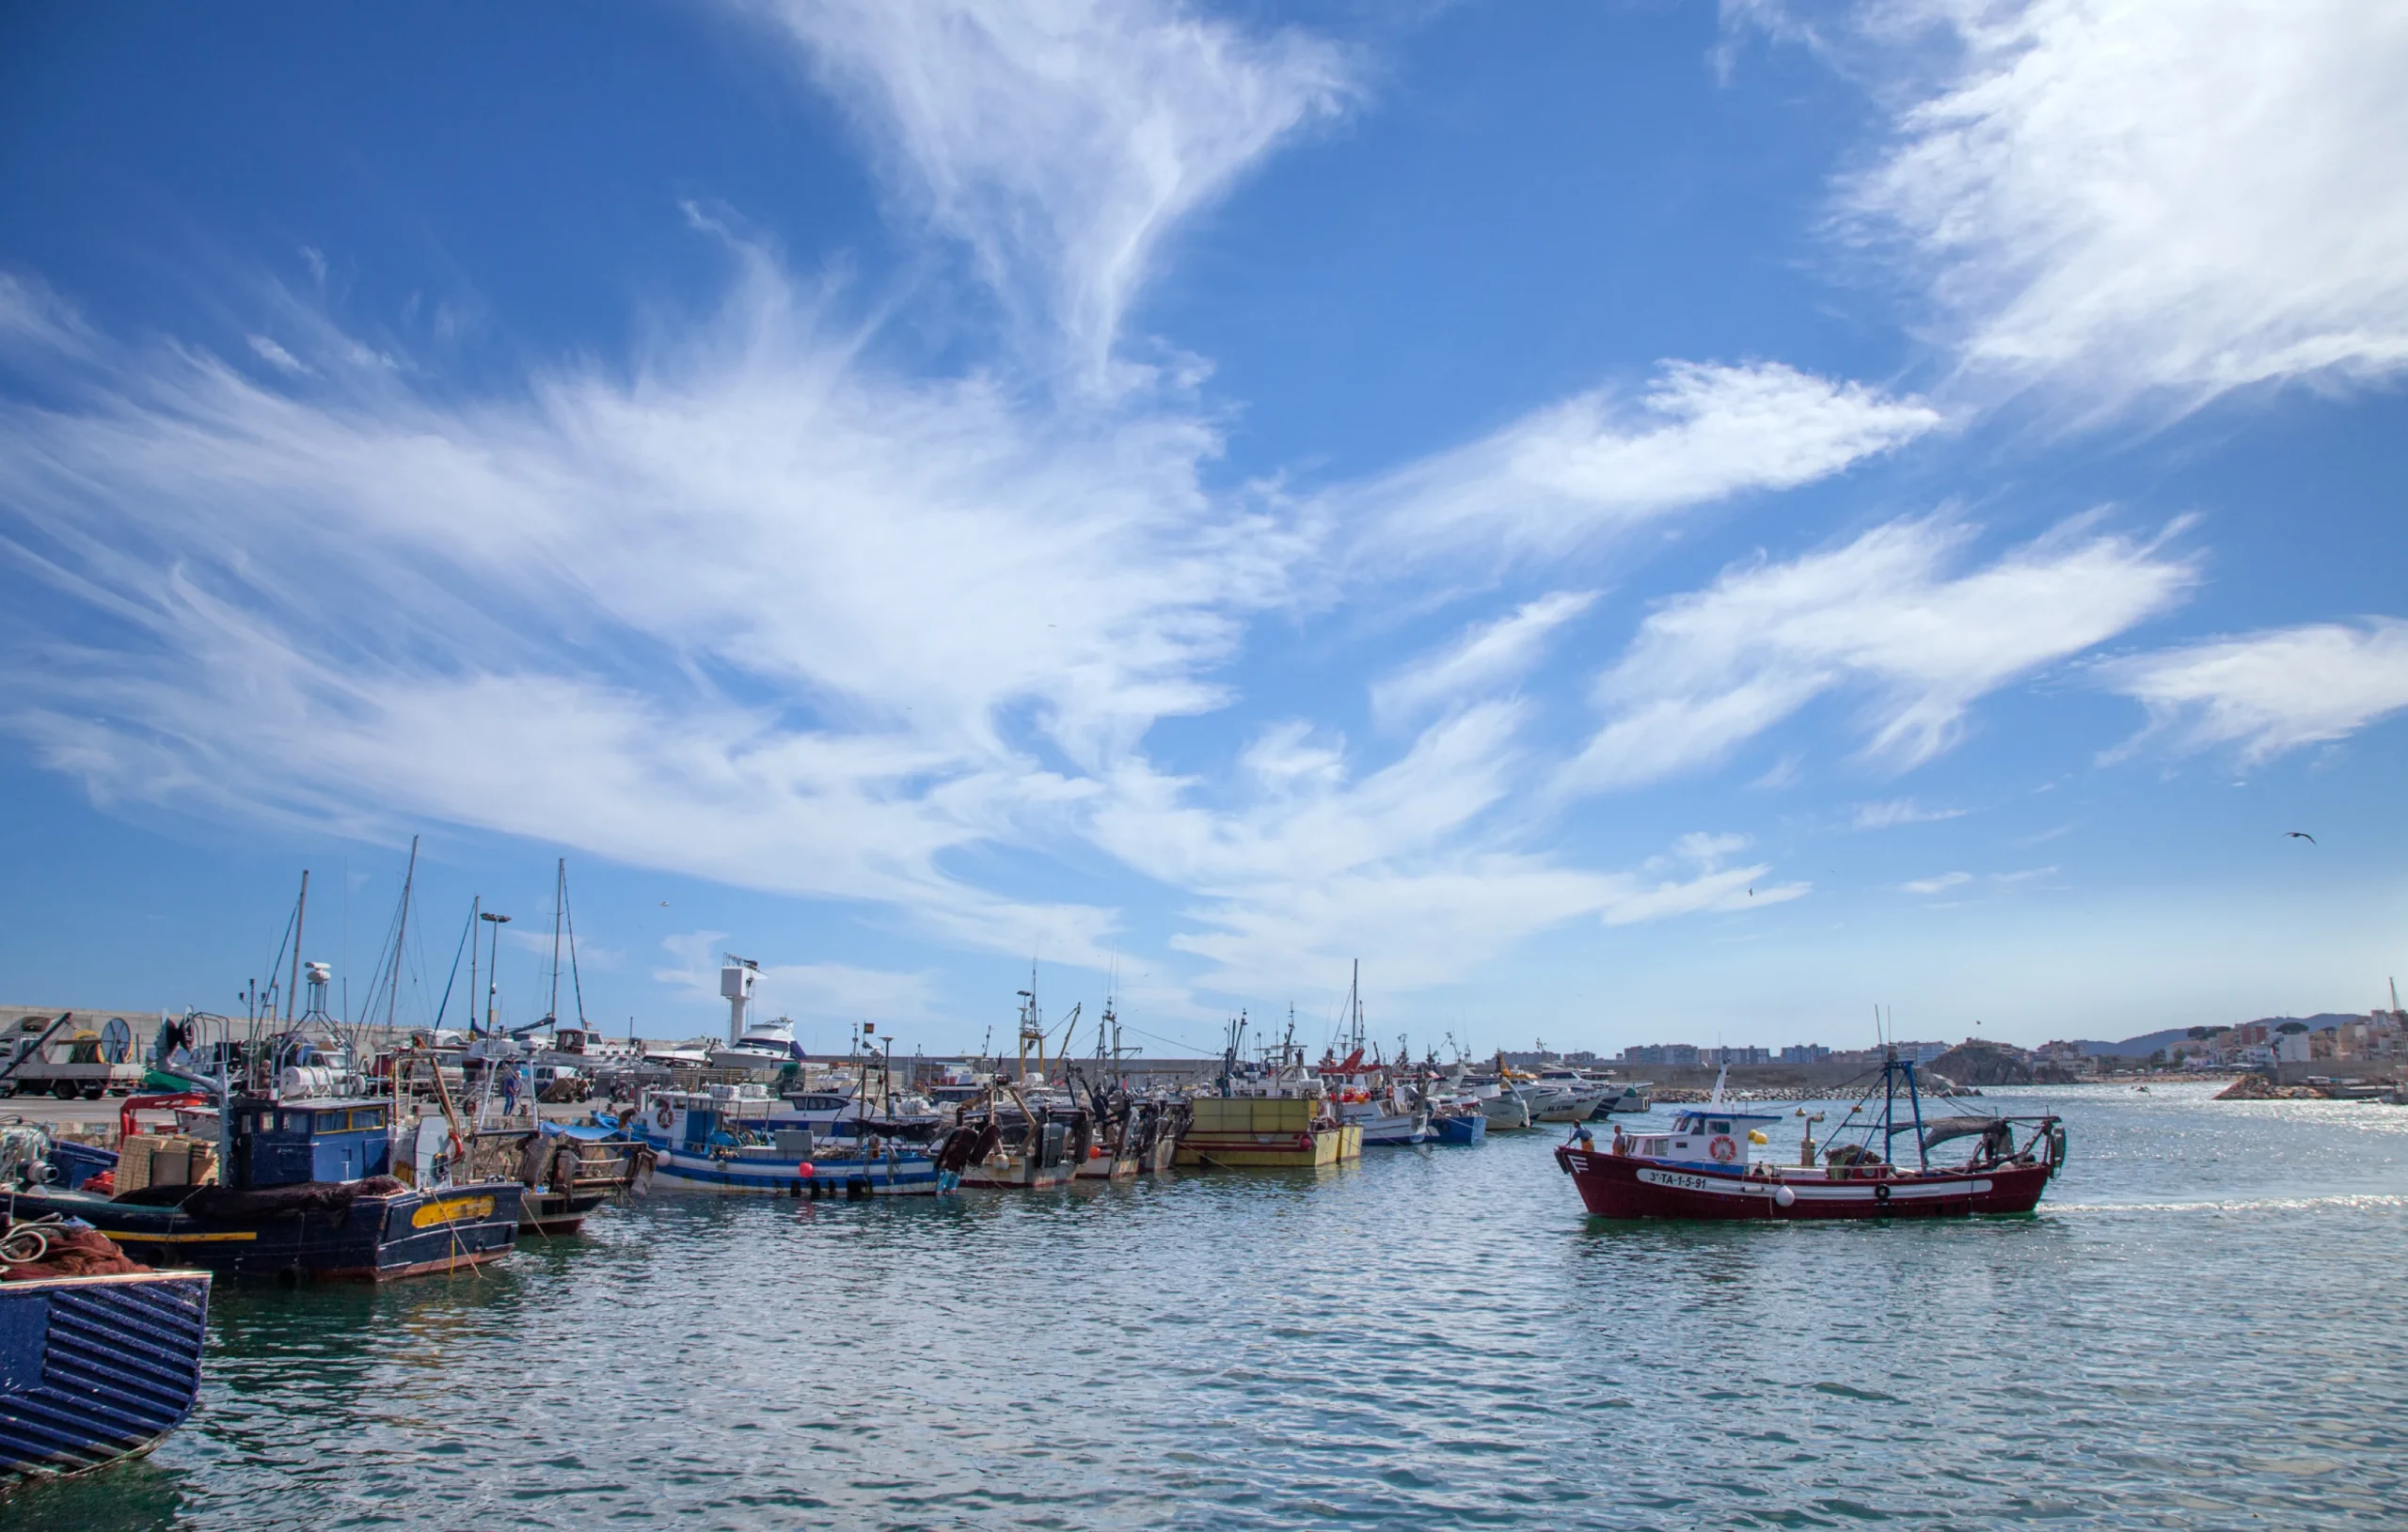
column 1259, row 1133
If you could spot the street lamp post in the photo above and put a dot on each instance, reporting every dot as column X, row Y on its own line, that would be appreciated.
column 493, row 970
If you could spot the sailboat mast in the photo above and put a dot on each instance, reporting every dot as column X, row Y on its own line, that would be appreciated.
column 400, row 935
column 559, row 891
column 476, row 907
column 300, row 913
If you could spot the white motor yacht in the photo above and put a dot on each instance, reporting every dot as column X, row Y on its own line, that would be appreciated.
column 766, row 1046
column 1567, row 1096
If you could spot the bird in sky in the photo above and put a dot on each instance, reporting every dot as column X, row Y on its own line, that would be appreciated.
column 2301, row 835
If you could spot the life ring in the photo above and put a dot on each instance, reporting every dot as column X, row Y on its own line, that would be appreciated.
column 1724, row 1149
column 663, row 1116
column 1880, row 1193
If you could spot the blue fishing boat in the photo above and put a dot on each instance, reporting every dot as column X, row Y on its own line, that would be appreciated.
column 94, row 1369
column 699, row 1144
column 305, row 1193
column 1460, row 1126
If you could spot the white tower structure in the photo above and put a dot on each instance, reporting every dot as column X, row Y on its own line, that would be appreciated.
column 736, row 982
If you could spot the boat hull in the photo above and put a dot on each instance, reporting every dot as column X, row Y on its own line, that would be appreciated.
column 1392, row 1129
column 96, row 1370
column 1016, row 1172
column 1562, row 1108
column 377, row 1237
column 1506, row 1112
column 881, row 1176
column 1301, row 1151
column 1468, row 1128
column 1623, row 1186
column 546, row 1213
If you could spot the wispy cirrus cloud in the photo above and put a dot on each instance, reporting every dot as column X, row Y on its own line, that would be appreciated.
column 1897, row 812
column 2263, row 694
column 1887, row 616
column 1562, row 476
column 757, row 611
column 2143, row 201
column 1062, row 141
column 1940, row 884
column 1486, row 657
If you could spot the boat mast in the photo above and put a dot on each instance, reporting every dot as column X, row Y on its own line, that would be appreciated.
column 1355, row 1009
column 575, row 979
column 560, row 894
column 300, row 913
column 401, row 934
column 476, row 908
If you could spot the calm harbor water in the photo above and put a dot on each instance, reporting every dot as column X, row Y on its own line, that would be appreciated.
column 2203, row 1327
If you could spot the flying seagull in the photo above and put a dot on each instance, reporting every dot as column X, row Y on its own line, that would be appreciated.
column 2301, row 835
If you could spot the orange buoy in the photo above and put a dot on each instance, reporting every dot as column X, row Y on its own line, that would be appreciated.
column 806, row 1170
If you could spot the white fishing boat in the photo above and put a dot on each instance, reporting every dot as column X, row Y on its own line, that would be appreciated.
column 1567, row 1096
column 1504, row 1105
column 1370, row 1098
column 1630, row 1100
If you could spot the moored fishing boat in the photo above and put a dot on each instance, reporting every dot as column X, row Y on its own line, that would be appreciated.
column 100, row 1358
column 1567, row 1096
column 1631, row 1099
column 1459, row 1121
column 698, row 1145
column 305, row 1193
column 1701, row 1167
column 1274, row 1117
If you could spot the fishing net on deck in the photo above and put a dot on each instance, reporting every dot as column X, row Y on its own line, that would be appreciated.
column 56, row 1249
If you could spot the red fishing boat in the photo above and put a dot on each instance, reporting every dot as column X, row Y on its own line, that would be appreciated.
column 1703, row 1169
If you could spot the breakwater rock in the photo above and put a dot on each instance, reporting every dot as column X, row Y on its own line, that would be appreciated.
column 1983, row 1064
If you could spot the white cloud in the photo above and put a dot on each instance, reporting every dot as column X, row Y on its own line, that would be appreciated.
column 1883, row 614
column 1416, row 868
column 1897, row 812
column 1487, row 656
column 1558, row 479
column 2135, row 197
column 1938, row 885
column 2266, row 693
column 755, row 611
column 276, row 355
column 1707, row 849
column 1063, row 139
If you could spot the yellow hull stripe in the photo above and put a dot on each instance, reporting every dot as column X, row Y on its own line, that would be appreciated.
column 180, row 1239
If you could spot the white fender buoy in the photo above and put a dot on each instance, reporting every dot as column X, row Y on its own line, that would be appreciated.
column 1784, row 1197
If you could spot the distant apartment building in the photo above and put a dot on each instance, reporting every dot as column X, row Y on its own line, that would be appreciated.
column 1923, row 1052
column 1549, row 1059
column 1671, row 1055
column 1734, row 1055
column 1804, row 1053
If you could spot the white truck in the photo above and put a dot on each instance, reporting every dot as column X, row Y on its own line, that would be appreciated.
column 40, row 1056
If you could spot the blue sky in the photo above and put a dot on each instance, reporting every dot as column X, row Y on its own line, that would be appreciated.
column 1639, row 522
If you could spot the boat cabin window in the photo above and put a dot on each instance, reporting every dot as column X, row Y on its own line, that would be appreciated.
column 1719, row 1127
